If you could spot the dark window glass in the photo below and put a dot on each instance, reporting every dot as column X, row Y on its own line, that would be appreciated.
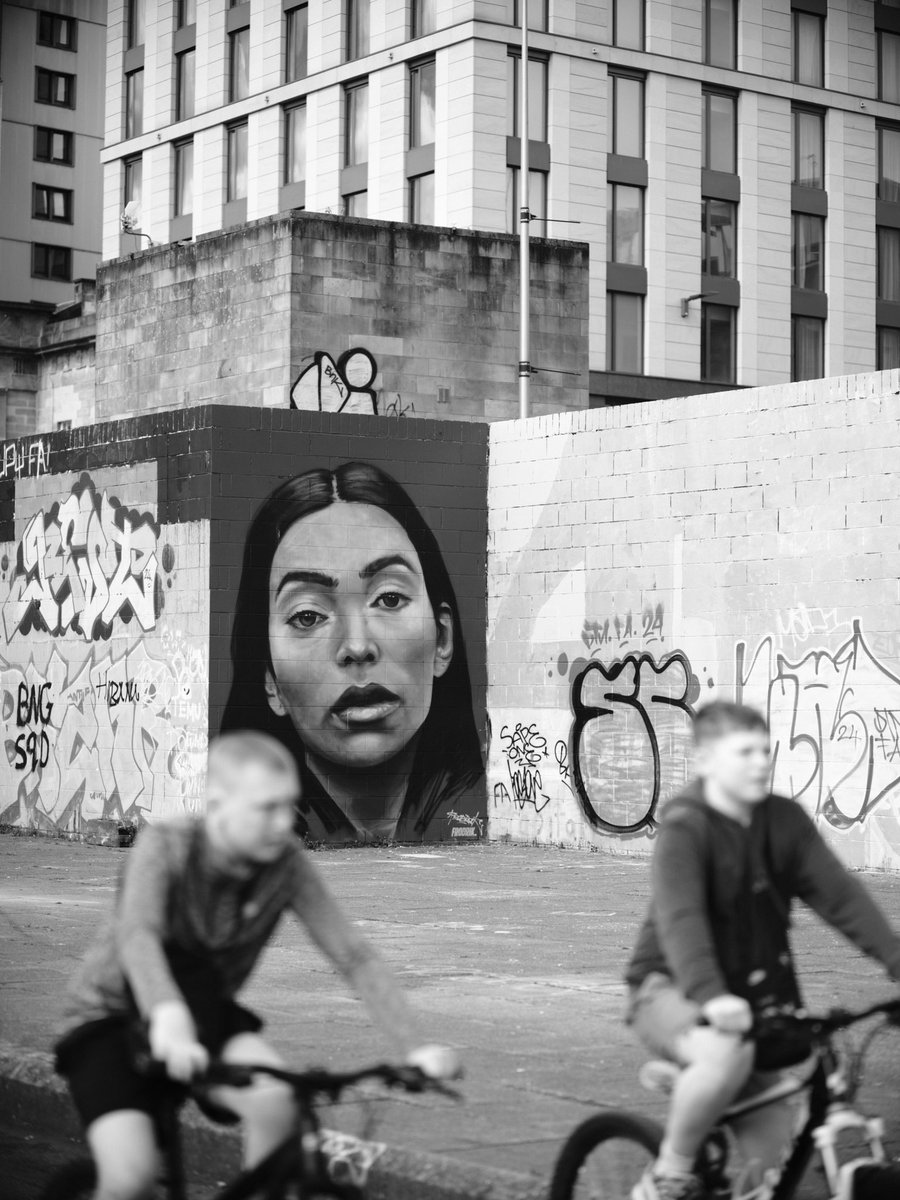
column 239, row 72
column 184, row 178
column 184, row 70
column 51, row 204
column 421, row 200
column 809, row 149
column 537, row 14
column 809, row 48
column 720, row 132
column 628, row 24
column 357, row 204
column 51, row 262
column 719, row 229
column 295, row 144
column 625, row 332
column 424, row 20
column 357, row 31
column 356, row 147
column 889, row 66
column 237, row 162
column 537, row 200
column 136, row 13
column 889, row 165
column 187, row 13
column 720, row 33
column 537, row 96
column 421, row 110
column 888, row 348
column 717, row 322
column 134, row 181
column 625, row 224
column 134, row 104
column 889, row 264
column 807, row 348
column 627, row 116
column 54, row 87
column 53, row 145
column 297, row 43
column 808, row 252
column 55, row 31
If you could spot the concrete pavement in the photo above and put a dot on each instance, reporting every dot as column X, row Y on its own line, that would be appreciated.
column 513, row 954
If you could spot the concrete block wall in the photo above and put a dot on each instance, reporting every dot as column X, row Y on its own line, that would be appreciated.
column 645, row 559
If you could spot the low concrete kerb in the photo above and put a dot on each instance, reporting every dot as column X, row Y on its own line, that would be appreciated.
column 34, row 1096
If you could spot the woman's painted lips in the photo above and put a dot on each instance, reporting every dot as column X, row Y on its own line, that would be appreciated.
column 364, row 706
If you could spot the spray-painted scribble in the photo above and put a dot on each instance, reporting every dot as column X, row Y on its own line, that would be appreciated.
column 22, row 460
column 465, row 825
column 631, row 737
column 834, row 719
column 342, row 386
column 620, row 630
column 524, row 748
column 86, row 562
column 799, row 625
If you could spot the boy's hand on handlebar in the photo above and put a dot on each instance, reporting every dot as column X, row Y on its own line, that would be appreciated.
column 729, row 1014
column 173, row 1041
column 437, row 1062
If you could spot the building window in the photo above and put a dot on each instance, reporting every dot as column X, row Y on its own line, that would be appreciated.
column 808, row 48
column 237, row 162
column 538, row 14
column 187, row 13
column 720, row 33
column 889, row 66
column 720, row 132
column 537, row 200
column 51, row 204
column 136, row 12
column 53, row 146
column 356, row 132
column 628, row 24
column 54, row 87
column 421, row 199
column 421, row 109
column 55, row 31
column 889, row 164
column 134, row 104
column 809, row 149
column 357, row 204
column 133, row 189
column 239, row 66
column 625, row 224
column 184, row 85
column 717, row 325
column 888, row 264
column 51, row 262
column 808, row 252
column 297, row 62
column 357, row 28
column 807, row 348
column 625, row 333
column 295, row 144
column 719, row 229
column 424, row 20
column 627, row 116
column 888, row 352
column 537, row 96
column 184, row 178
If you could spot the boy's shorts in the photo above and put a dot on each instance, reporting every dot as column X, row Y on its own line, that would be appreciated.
column 97, row 1060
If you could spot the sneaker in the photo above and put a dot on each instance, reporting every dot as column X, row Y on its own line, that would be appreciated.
column 655, row 1186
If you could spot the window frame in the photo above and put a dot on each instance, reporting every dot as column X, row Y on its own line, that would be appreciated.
column 57, row 20
column 798, row 16
column 881, row 128
column 180, row 114
column 231, row 130
column 178, row 149
column 350, row 89
column 796, row 318
column 799, row 110
column 611, row 303
column 352, row 51
column 612, row 215
column 48, row 73
column 289, row 110
column 514, row 56
column 884, row 233
column 707, row 22
column 415, row 20
column 415, row 92
column 414, row 181
column 50, row 190
column 180, row 14
column 705, row 238
column 880, row 330
column 641, row 5
column 69, row 141
column 290, row 17
column 50, row 276
column 131, row 24
column 234, row 40
column 641, row 80
column 881, row 35
column 543, row 27
column 705, row 347
column 797, row 217
column 128, row 165
column 706, row 130
column 130, row 131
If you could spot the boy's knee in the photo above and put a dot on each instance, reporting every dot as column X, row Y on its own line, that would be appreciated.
column 725, row 1054
column 133, row 1179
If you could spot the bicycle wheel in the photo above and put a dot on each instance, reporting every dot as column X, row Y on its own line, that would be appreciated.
column 74, row 1181
column 605, row 1157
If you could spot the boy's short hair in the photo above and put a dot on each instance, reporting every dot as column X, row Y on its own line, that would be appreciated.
column 230, row 751
column 720, row 717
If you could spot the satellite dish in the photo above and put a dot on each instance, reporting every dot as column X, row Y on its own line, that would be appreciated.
column 131, row 217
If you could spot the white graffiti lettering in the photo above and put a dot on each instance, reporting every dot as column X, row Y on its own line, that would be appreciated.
column 17, row 461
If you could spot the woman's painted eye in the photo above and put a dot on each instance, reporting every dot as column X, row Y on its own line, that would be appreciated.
column 391, row 600
column 306, row 618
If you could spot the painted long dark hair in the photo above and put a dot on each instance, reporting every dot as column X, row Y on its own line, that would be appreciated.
column 448, row 755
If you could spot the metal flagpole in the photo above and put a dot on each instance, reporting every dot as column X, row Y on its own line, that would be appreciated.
column 524, row 226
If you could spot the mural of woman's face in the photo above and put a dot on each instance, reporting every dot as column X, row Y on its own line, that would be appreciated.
column 353, row 642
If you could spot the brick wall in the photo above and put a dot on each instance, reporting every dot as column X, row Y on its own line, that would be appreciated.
column 645, row 559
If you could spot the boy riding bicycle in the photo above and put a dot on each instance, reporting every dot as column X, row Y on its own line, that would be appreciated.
column 714, row 948
column 198, row 902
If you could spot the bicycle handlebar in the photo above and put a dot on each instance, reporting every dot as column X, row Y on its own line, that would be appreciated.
column 831, row 1022
column 319, row 1082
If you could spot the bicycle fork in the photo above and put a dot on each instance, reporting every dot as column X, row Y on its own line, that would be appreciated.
column 840, row 1120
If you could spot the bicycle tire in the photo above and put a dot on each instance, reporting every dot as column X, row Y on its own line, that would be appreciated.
column 640, row 1138
column 74, row 1180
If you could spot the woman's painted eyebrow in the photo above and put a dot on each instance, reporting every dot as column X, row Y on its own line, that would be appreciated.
column 317, row 578
column 381, row 564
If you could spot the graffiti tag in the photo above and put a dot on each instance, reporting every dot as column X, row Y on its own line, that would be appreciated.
column 342, row 386
column 466, row 825
column 17, row 461
column 620, row 630
column 80, row 566
column 524, row 749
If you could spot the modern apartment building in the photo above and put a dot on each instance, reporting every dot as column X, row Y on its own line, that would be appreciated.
column 52, row 65
column 734, row 165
